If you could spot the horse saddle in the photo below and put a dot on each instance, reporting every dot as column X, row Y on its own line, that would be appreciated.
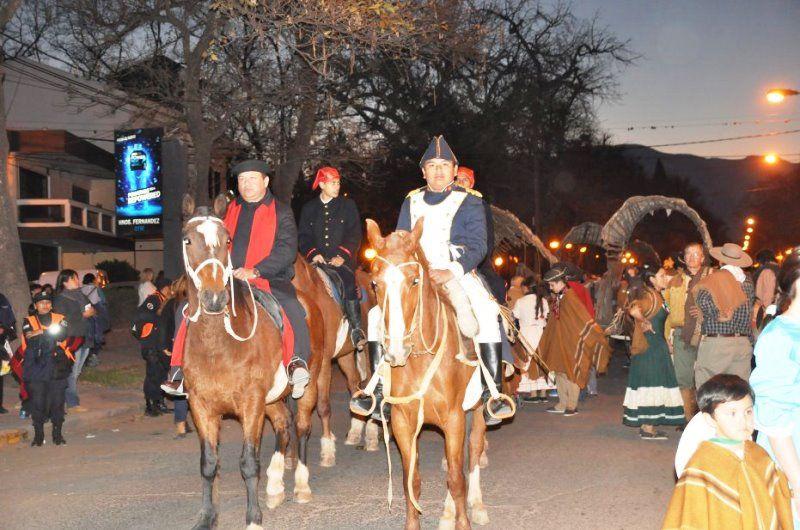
column 270, row 305
column 333, row 283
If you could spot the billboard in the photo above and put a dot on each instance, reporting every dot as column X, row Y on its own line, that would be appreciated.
column 137, row 166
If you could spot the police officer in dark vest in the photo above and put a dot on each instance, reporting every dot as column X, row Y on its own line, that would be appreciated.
column 48, row 364
column 329, row 235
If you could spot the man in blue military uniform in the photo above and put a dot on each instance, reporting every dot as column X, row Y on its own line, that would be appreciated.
column 329, row 235
column 454, row 240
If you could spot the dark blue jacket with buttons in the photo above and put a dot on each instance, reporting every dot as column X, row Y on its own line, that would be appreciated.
column 468, row 230
column 330, row 229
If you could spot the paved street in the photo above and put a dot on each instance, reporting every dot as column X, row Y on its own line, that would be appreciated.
column 545, row 471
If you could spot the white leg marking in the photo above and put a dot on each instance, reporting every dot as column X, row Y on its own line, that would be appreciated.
column 448, row 519
column 356, row 428
column 275, row 490
column 302, row 491
column 478, row 514
column 327, row 451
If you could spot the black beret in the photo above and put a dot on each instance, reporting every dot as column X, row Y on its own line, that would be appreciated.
column 250, row 165
column 42, row 296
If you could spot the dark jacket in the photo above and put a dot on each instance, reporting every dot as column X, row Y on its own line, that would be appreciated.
column 330, row 229
column 8, row 321
column 468, row 229
column 72, row 303
column 279, row 264
column 149, row 313
column 45, row 359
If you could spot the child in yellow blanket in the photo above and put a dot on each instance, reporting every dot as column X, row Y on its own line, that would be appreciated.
column 731, row 482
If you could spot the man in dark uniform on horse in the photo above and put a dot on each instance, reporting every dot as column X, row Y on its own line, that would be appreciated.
column 454, row 240
column 263, row 250
column 329, row 235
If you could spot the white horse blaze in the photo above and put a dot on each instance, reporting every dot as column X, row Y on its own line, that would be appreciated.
column 210, row 230
column 397, row 326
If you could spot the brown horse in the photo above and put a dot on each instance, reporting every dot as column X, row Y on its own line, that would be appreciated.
column 334, row 343
column 427, row 382
column 233, row 367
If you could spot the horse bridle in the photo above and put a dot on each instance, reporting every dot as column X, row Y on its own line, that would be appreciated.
column 227, row 278
column 418, row 311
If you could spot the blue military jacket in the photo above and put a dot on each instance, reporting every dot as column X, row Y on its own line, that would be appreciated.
column 468, row 229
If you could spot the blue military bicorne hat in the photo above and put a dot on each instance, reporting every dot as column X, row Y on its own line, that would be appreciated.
column 438, row 148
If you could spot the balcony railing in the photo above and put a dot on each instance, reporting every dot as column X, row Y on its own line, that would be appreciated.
column 48, row 213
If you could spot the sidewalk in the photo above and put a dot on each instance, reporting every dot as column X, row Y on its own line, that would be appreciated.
column 114, row 388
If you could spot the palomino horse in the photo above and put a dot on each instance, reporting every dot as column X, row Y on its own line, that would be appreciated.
column 427, row 382
column 233, row 367
column 335, row 344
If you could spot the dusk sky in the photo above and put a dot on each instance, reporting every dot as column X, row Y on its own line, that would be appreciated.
column 704, row 63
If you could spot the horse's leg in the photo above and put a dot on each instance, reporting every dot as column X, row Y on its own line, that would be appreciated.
column 371, row 441
column 477, row 452
column 305, row 406
column 455, row 512
column 208, row 431
column 403, row 430
column 327, row 440
column 279, row 416
column 347, row 363
column 249, row 463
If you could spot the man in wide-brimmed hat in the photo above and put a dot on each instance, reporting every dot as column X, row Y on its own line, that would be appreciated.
column 572, row 342
column 725, row 299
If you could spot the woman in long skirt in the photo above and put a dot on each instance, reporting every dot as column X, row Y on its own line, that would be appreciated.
column 652, row 397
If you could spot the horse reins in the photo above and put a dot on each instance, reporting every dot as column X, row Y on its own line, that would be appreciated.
column 227, row 277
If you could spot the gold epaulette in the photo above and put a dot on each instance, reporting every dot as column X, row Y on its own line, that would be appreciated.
column 414, row 192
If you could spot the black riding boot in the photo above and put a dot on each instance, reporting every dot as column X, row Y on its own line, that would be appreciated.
column 491, row 354
column 58, row 438
column 38, row 435
column 151, row 409
column 362, row 403
column 352, row 309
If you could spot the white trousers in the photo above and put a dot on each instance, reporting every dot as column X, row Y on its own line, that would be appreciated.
column 483, row 305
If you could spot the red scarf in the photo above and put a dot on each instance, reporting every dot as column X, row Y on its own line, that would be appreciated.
column 262, row 235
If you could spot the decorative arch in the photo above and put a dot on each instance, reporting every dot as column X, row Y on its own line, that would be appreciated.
column 510, row 232
column 585, row 234
column 618, row 230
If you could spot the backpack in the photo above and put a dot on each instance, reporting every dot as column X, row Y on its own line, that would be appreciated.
column 144, row 325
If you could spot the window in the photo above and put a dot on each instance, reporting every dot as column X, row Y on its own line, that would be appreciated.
column 80, row 194
column 32, row 185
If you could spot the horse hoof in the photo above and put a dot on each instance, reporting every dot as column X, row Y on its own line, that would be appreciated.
column 254, row 526
column 206, row 522
column 483, row 462
column 479, row 516
column 353, row 438
column 302, row 497
column 447, row 524
column 327, row 461
column 273, row 501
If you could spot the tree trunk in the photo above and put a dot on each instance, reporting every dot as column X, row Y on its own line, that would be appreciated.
column 286, row 174
column 13, row 278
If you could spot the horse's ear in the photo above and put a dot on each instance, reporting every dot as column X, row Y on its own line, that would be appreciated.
column 221, row 205
column 374, row 235
column 187, row 207
column 416, row 232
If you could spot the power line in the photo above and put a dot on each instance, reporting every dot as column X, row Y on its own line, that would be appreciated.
column 728, row 139
column 732, row 123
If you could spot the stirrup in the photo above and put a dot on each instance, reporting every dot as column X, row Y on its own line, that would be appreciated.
column 359, row 393
column 501, row 397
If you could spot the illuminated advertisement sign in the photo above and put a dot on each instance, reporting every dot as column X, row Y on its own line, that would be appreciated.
column 137, row 161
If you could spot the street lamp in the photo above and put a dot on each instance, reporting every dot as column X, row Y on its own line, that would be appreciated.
column 777, row 95
column 554, row 244
column 583, row 250
column 568, row 246
column 750, row 230
column 771, row 159
column 751, row 221
column 498, row 261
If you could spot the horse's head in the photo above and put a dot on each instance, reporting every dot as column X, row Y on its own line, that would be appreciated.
column 398, row 271
column 205, row 254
